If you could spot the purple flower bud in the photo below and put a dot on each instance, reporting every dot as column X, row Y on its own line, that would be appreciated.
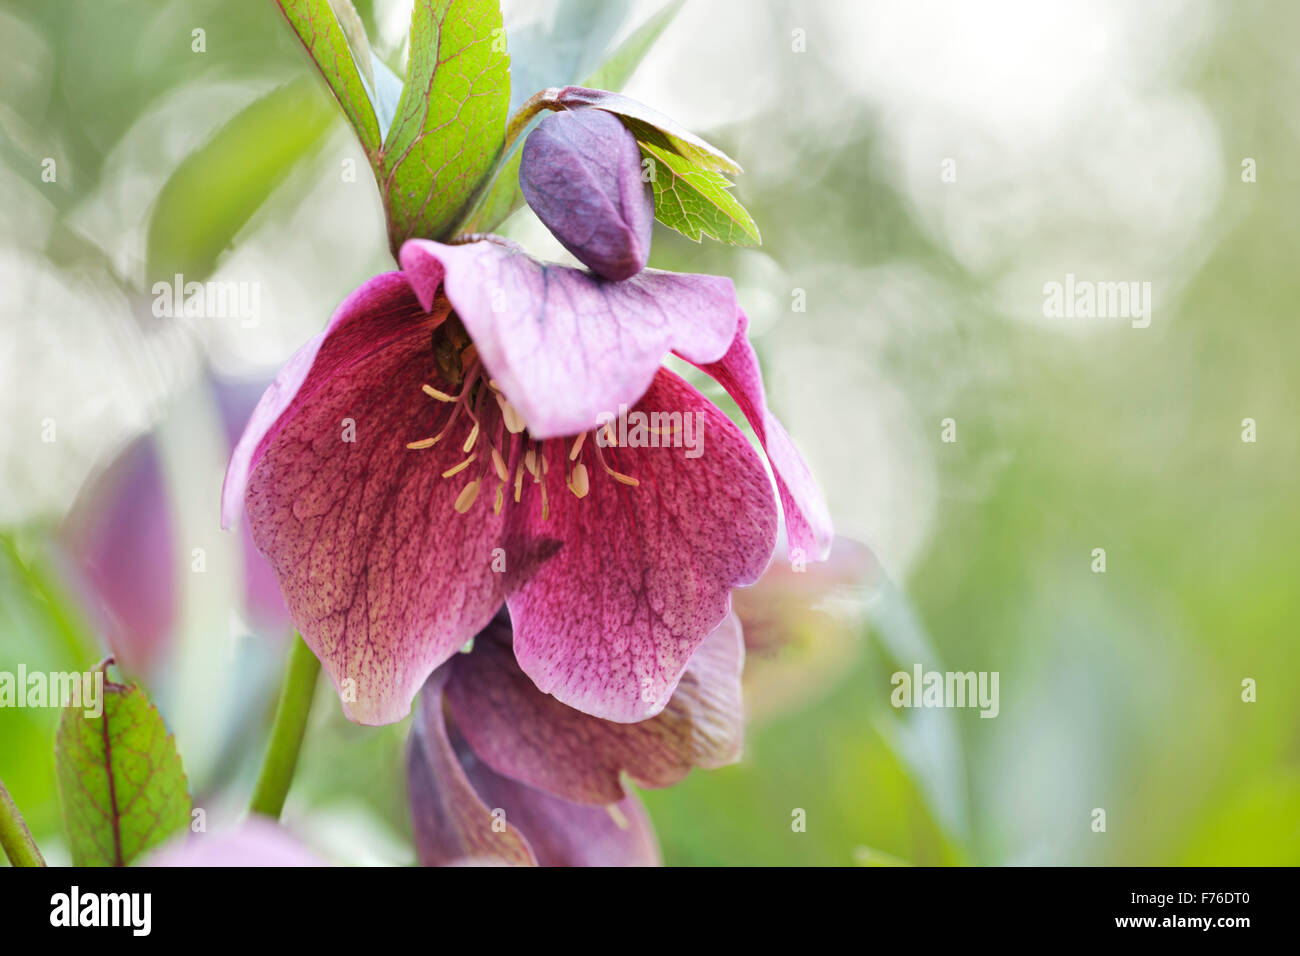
column 581, row 173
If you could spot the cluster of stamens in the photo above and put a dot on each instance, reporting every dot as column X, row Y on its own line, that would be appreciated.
column 496, row 442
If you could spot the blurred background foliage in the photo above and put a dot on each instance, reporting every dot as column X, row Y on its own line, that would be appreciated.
column 1103, row 139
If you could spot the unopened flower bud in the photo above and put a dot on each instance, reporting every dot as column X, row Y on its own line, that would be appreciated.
column 581, row 173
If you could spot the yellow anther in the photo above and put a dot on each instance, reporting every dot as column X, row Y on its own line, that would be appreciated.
column 440, row 396
column 514, row 421
column 423, row 443
column 467, row 496
column 519, row 481
column 499, row 464
column 499, row 500
column 459, row 468
column 610, row 440
column 578, row 481
column 530, row 462
column 471, row 439
column 576, row 450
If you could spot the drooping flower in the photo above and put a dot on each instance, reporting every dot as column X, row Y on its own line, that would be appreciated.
column 500, row 772
column 439, row 449
column 449, row 444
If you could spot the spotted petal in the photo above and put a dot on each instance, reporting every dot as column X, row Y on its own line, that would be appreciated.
column 807, row 520
column 384, row 578
column 642, row 575
column 464, row 813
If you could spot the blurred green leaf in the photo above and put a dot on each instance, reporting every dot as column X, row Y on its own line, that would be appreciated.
column 451, row 119
column 216, row 189
column 695, row 201
column 120, row 778
column 503, row 197
column 622, row 63
column 326, row 41
column 564, row 48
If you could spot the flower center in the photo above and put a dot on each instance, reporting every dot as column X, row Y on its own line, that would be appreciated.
column 497, row 447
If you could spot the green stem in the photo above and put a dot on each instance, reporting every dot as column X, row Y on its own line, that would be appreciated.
column 14, row 835
column 287, row 732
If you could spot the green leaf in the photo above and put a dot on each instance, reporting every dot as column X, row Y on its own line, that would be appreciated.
column 652, row 127
column 215, row 190
column 695, row 201
column 451, row 119
column 120, row 779
column 503, row 197
column 355, row 31
column 326, row 41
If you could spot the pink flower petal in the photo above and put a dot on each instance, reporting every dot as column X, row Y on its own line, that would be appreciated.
column 388, row 297
column 452, row 825
column 464, row 813
column 642, row 574
column 384, row 578
column 807, row 520
column 561, row 833
column 532, row 737
column 565, row 345
column 262, row 599
column 256, row 841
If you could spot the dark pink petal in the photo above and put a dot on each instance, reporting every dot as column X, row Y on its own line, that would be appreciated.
column 807, row 521
column 384, row 578
column 464, row 813
column 581, row 174
column 389, row 298
column 119, row 536
column 641, row 575
column 452, row 825
column 565, row 345
column 256, row 841
column 532, row 737
column 561, row 833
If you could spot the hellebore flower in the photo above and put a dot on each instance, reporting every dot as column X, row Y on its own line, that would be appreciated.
column 388, row 476
column 500, row 772
column 447, row 445
column 580, row 171
column 439, row 450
